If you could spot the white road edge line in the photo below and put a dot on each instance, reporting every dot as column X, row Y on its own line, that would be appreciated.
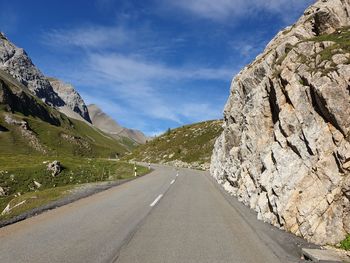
column 156, row 200
column 173, row 181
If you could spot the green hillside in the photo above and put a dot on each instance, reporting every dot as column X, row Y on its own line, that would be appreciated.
column 32, row 134
column 187, row 146
column 54, row 133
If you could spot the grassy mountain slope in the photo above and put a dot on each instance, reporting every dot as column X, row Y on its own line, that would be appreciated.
column 33, row 134
column 56, row 133
column 187, row 146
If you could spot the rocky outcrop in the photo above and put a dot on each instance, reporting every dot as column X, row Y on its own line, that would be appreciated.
column 105, row 123
column 55, row 168
column 285, row 148
column 16, row 99
column 2, row 191
column 26, row 133
column 70, row 97
column 17, row 63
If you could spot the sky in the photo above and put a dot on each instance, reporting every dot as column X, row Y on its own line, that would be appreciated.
column 152, row 64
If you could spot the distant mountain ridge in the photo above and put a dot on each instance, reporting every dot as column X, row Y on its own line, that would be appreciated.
column 58, row 94
column 105, row 123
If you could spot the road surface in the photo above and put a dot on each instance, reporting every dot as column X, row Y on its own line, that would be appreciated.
column 160, row 217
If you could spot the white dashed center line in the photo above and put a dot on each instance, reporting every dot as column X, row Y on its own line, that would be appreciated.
column 173, row 181
column 156, row 200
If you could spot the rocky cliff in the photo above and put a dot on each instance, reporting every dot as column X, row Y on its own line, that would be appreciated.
column 16, row 62
column 105, row 123
column 285, row 148
column 71, row 98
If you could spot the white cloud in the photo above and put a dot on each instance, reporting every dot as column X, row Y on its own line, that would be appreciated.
column 144, row 87
column 134, row 69
column 90, row 36
column 222, row 10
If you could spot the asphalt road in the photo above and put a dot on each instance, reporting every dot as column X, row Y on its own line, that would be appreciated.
column 160, row 217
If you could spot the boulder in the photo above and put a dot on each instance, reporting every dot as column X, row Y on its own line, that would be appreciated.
column 2, row 191
column 54, row 167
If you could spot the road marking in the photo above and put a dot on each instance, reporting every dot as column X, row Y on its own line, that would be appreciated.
column 156, row 200
column 173, row 181
column 177, row 174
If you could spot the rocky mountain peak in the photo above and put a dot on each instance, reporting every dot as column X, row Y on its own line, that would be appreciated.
column 71, row 97
column 285, row 148
column 17, row 63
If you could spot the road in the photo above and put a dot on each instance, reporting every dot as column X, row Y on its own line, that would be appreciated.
column 160, row 217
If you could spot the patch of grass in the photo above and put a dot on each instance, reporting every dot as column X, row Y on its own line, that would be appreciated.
column 191, row 143
column 345, row 244
column 76, row 138
column 32, row 200
column 341, row 45
column 18, row 173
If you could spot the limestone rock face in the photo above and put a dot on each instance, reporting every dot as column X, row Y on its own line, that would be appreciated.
column 17, row 63
column 285, row 148
column 71, row 97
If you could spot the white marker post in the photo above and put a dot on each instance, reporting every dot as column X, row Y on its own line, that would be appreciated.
column 135, row 169
column 149, row 166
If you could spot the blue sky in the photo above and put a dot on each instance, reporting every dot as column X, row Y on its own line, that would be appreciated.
column 150, row 64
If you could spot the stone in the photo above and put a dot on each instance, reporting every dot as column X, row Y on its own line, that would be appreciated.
column 2, row 191
column 285, row 148
column 318, row 255
column 54, row 167
column 340, row 59
column 38, row 185
column 6, row 210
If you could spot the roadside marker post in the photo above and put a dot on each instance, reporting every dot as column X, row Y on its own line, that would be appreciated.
column 149, row 166
column 135, row 169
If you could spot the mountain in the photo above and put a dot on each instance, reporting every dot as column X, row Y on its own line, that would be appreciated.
column 285, row 148
column 188, row 146
column 30, row 126
column 105, row 123
column 72, row 99
column 16, row 62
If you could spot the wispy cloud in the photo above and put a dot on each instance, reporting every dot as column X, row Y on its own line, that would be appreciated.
column 90, row 36
column 143, row 85
column 223, row 10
